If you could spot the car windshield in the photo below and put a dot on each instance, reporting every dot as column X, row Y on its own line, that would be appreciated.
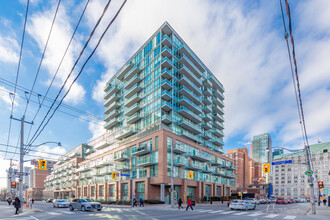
column 237, row 201
column 88, row 200
column 62, row 200
column 83, row 200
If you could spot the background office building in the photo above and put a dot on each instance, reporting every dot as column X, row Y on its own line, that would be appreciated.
column 261, row 148
column 163, row 98
column 290, row 181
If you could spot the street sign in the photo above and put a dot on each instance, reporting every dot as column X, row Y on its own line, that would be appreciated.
column 266, row 167
column 34, row 162
column 309, row 172
column 191, row 175
column 122, row 174
column 281, row 162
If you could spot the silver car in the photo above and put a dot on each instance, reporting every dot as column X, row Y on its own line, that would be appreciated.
column 242, row 204
column 61, row 203
column 84, row 205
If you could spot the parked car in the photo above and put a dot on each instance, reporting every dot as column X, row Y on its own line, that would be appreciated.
column 61, row 203
column 49, row 200
column 253, row 201
column 263, row 201
column 242, row 204
column 84, row 205
column 281, row 201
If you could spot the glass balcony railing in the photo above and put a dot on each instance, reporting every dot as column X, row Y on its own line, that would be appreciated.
column 197, row 89
column 166, row 38
column 199, row 156
column 164, row 81
column 165, row 92
column 195, row 166
column 166, row 73
column 141, row 150
column 190, row 124
column 185, row 70
column 166, row 61
column 134, row 79
column 145, row 161
column 191, row 64
column 193, row 95
column 166, row 48
column 196, row 107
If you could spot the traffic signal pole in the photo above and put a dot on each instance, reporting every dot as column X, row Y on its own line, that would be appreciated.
column 310, row 180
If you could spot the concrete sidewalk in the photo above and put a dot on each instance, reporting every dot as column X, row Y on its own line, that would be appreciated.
column 321, row 211
column 9, row 210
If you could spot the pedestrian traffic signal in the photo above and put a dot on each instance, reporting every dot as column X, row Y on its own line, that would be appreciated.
column 321, row 184
column 42, row 164
column 13, row 184
column 191, row 175
column 113, row 175
column 266, row 167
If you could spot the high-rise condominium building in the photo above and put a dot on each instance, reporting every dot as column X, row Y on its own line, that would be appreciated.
column 261, row 148
column 164, row 98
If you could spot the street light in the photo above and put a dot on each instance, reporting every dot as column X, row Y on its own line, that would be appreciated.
column 309, row 167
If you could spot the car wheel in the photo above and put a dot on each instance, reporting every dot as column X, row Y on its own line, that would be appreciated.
column 99, row 210
column 254, row 207
column 83, row 208
column 70, row 208
column 231, row 209
column 245, row 208
column 53, row 205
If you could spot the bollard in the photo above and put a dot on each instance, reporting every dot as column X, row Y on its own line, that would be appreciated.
column 267, row 207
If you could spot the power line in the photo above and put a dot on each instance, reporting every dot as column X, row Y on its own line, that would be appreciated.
column 42, row 57
column 36, row 134
column 35, row 157
column 61, row 155
column 60, row 64
column 98, row 118
column 18, row 68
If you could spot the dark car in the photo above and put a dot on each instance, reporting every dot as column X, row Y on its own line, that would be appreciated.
column 281, row 201
column 49, row 200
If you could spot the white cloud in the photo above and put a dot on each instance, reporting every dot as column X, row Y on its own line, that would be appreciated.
column 48, row 152
column 96, row 129
column 38, row 28
column 6, row 98
column 8, row 50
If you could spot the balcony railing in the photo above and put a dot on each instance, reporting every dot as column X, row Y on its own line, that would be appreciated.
column 141, row 150
column 199, row 156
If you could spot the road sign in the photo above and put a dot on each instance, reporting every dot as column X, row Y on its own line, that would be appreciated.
column 266, row 167
column 34, row 162
column 191, row 175
column 281, row 162
column 309, row 172
column 122, row 174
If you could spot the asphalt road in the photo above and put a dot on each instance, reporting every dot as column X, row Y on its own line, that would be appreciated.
column 215, row 211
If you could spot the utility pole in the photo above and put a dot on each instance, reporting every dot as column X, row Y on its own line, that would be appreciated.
column 311, row 179
column 172, row 187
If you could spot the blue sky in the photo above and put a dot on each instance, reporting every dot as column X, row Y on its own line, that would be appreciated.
column 240, row 41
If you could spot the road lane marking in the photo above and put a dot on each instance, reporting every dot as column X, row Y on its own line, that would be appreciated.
column 240, row 213
column 217, row 211
column 290, row 217
column 271, row 216
column 68, row 212
column 203, row 210
column 256, row 214
column 229, row 212
column 53, row 213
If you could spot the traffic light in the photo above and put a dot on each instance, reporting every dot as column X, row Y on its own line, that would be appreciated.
column 113, row 175
column 13, row 184
column 42, row 164
column 266, row 168
column 191, row 175
column 320, row 184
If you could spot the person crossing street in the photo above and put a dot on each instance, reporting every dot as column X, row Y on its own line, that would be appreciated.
column 189, row 204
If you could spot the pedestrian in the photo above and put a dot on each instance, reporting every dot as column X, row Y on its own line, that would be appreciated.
column 32, row 201
column 189, row 204
column 141, row 202
column 17, row 204
column 211, row 201
column 134, row 202
column 9, row 201
column 180, row 203
column 324, row 202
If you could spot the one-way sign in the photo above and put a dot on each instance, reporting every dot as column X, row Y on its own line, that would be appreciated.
column 281, row 162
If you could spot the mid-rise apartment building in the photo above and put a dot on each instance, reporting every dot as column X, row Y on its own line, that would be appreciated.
column 261, row 148
column 163, row 98
column 289, row 180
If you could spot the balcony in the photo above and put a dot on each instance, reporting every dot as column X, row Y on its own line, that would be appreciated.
column 126, row 132
column 189, row 114
column 190, row 136
column 207, row 91
column 166, row 74
column 101, row 144
column 136, row 79
column 190, row 126
column 167, row 119
column 199, row 156
column 206, row 81
column 112, row 99
column 125, row 70
column 206, row 135
column 217, row 101
column 217, row 109
column 190, row 85
column 217, row 132
column 206, row 100
column 184, row 101
column 195, row 167
column 184, row 49
column 217, row 142
column 206, row 126
column 166, row 63
column 218, row 117
column 107, row 87
column 147, row 161
column 131, row 110
column 113, row 106
column 185, row 61
column 166, row 95
column 141, row 150
column 111, row 123
column 122, row 167
column 178, row 149
column 218, row 94
column 217, row 124
column 185, row 71
column 227, row 174
column 83, row 169
column 102, row 164
column 166, row 106
column 112, row 90
column 217, row 172
column 134, row 99
column 166, row 52
column 166, row 40
column 229, row 167
column 207, row 169
column 134, row 118
column 132, row 91
column 206, row 117
column 166, row 84
column 206, row 108
column 180, row 161
column 133, row 72
column 120, row 157
column 183, row 90
column 112, row 114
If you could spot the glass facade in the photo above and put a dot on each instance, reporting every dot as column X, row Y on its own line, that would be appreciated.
column 262, row 148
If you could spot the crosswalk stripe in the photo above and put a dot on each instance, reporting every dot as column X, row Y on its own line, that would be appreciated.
column 256, row 214
column 53, row 213
column 68, row 212
column 271, row 216
column 240, row 213
column 203, row 210
column 290, row 217
column 217, row 211
column 229, row 212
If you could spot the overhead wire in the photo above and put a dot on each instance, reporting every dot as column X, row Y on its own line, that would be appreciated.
column 12, row 146
column 36, row 134
column 17, row 74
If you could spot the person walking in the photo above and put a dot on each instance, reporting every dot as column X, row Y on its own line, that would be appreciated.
column 180, row 203
column 17, row 204
column 9, row 201
column 324, row 202
column 141, row 202
column 134, row 202
column 189, row 204
column 32, row 201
